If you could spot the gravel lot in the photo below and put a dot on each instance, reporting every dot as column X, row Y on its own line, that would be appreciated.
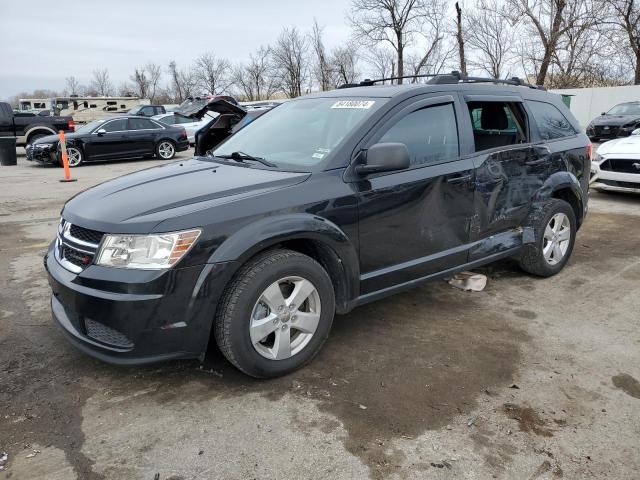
column 529, row 379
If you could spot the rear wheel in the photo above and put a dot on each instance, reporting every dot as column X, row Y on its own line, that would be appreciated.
column 276, row 314
column 555, row 230
column 165, row 150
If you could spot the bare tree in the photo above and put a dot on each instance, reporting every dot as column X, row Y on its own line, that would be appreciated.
column 545, row 23
column 183, row 82
column 460, row 39
column 382, row 62
column 436, row 52
column 321, row 67
column 490, row 35
column 625, row 14
column 141, row 82
column 73, row 85
column 154, row 75
column 290, row 61
column 213, row 74
column 255, row 80
column 101, row 82
column 344, row 64
column 394, row 22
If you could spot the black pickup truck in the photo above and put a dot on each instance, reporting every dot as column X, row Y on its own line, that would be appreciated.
column 27, row 127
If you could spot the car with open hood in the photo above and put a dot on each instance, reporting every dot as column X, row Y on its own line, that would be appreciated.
column 318, row 206
column 620, row 121
column 616, row 165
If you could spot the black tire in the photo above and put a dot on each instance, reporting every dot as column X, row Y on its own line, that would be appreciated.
column 234, row 315
column 532, row 259
column 35, row 136
column 160, row 147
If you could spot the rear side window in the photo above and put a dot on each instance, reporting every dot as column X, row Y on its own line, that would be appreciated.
column 497, row 124
column 169, row 119
column 140, row 124
column 551, row 122
column 430, row 134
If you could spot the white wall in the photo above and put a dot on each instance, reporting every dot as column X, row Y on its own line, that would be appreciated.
column 591, row 102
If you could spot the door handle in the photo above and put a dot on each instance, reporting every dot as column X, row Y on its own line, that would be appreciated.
column 459, row 179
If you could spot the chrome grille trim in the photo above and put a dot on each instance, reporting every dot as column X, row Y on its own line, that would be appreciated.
column 83, row 248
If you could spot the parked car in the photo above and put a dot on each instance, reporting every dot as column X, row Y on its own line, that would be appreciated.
column 147, row 110
column 325, row 203
column 616, row 165
column 225, row 119
column 27, row 127
column 620, row 121
column 114, row 139
column 191, row 125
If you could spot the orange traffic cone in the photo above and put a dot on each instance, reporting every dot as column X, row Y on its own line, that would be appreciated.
column 65, row 159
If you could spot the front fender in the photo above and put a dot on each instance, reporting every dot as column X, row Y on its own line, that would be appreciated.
column 269, row 231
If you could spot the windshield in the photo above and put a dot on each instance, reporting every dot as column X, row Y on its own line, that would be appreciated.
column 625, row 109
column 300, row 134
column 135, row 110
column 89, row 127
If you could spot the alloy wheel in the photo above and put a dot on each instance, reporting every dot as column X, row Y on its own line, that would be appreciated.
column 285, row 318
column 74, row 156
column 166, row 150
column 557, row 236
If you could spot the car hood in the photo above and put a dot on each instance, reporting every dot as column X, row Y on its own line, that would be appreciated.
column 615, row 120
column 197, row 108
column 622, row 146
column 139, row 202
column 54, row 138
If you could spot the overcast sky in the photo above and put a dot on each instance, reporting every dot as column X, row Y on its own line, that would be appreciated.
column 43, row 41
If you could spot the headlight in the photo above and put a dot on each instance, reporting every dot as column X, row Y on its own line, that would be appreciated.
column 596, row 158
column 152, row 252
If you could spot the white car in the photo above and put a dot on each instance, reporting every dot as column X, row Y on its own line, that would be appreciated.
column 616, row 164
column 191, row 125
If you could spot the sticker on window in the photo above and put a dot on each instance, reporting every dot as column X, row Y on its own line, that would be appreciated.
column 361, row 104
column 318, row 155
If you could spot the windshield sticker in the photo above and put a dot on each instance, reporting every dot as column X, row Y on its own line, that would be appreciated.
column 361, row 104
column 318, row 155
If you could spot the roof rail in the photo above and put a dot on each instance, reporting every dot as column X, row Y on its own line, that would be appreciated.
column 447, row 78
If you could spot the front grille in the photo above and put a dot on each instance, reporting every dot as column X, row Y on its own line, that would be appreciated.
column 621, row 165
column 77, row 246
column 86, row 235
column 104, row 334
column 606, row 132
column 75, row 257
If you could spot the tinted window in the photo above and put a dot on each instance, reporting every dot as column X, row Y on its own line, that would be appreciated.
column 551, row 122
column 497, row 124
column 140, row 124
column 148, row 111
column 116, row 125
column 430, row 134
column 181, row 119
column 169, row 119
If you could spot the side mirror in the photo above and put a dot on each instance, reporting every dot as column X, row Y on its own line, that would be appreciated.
column 101, row 131
column 384, row 157
column 603, row 113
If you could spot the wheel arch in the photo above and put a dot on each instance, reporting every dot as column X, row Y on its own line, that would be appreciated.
column 38, row 129
column 314, row 236
column 564, row 186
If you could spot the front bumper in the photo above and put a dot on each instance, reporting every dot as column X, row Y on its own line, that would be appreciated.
column 132, row 316
column 616, row 181
column 608, row 131
column 36, row 153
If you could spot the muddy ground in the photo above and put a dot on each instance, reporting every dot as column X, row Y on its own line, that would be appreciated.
column 529, row 379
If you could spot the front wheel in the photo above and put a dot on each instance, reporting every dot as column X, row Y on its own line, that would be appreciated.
column 276, row 314
column 74, row 157
column 555, row 232
column 165, row 150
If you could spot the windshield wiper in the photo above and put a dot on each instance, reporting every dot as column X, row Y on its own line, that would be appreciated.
column 241, row 157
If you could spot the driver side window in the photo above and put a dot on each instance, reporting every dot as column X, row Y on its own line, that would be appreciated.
column 430, row 134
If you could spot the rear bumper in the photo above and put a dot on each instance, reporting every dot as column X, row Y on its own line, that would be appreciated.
column 182, row 145
column 136, row 317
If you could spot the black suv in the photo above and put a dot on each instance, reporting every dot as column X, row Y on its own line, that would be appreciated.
column 318, row 206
